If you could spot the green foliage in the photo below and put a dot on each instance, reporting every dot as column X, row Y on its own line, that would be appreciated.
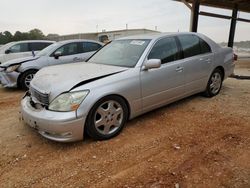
column 34, row 34
column 5, row 37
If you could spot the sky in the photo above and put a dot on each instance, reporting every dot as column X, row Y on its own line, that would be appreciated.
column 81, row 16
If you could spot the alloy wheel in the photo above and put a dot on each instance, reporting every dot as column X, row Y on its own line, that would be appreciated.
column 108, row 117
column 28, row 79
column 215, row 83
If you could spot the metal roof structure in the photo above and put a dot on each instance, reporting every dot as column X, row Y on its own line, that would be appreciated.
column 234, row 5
column 243, row 5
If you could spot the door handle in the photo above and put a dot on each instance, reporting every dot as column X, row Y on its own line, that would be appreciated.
column 179, row 69
column 208, row 60
column 76, row 59
column 205, row 60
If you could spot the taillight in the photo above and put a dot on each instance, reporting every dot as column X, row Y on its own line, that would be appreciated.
column 235, row 57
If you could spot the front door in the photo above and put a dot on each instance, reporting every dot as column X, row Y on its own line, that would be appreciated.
column 165, row 84
column 18, row 51
column 69, row 54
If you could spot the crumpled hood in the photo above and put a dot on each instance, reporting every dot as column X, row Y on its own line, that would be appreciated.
column 55, row 80
column 18, row 61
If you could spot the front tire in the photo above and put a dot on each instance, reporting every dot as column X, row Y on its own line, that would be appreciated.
column 26, row 78
column 107, row 118
column 214, row 83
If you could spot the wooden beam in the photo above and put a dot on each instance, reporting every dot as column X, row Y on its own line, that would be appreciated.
column 194, row 16
column 187, row 4
column 243, row 5
column 222, row 16
column 233, row 27
column 243, row 20
column 215, row 15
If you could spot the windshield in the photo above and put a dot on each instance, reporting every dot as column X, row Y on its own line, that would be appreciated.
column 47, row 50
column 124, row 53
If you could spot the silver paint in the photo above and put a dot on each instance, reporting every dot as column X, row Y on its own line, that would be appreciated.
column 143, row 89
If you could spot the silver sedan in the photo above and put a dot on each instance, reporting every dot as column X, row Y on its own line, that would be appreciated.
column 126, row 78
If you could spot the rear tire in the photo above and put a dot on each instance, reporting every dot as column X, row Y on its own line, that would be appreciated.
column 214, row 83
column 25, row 79
column 107, row 117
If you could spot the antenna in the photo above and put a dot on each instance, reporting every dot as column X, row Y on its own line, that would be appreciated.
column 97, row 28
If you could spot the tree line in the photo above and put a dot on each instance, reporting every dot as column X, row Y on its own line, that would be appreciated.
column 34, row 34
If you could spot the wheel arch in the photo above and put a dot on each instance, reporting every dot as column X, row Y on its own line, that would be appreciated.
column 21, row 74
column 221, row 68
column 117, row 95
column 102, row 97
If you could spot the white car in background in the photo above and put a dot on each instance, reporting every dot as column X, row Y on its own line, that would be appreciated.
column 20, row 49
column 19, row 72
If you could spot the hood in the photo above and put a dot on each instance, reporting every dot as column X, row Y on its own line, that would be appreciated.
column 2, row 50
column 57, row 79
column 18, row 61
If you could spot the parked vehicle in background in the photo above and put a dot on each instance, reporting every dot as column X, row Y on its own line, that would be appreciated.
column 19, row 72
column 20, row 49
column 126, row 78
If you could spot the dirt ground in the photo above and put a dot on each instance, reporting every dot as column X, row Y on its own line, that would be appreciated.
column 196, row 142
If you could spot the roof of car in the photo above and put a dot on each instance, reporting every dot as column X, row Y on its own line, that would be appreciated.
column 22, row 41
column 155, row 35
column 78, row 40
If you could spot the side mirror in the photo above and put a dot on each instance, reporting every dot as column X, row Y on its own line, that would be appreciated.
column 152, row 64
column 7, row 51
column 57, row 55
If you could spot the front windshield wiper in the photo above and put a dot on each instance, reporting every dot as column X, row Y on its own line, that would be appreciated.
column 99, row 63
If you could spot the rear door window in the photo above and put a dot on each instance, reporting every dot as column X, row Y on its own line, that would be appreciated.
column 190, row 45
column 193, row 45
column 165, row 49
column 205, row 48
column 37, row 46
column 90, row 47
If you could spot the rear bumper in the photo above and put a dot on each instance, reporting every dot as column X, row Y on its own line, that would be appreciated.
column 229, row 70
column 9, row 79
column 57, row 126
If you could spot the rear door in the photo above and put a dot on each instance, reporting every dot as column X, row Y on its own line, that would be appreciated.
column 88, row 49
column 198, row 60
column 167, row 83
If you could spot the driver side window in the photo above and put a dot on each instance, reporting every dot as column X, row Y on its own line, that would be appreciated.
column 22, row 47
column 68, row 49
column 166, row 50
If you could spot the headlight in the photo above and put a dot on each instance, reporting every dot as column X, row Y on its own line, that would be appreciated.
column 12, row 68
column 68, row 101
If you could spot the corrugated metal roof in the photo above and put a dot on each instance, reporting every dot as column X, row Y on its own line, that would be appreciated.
column 243, row 5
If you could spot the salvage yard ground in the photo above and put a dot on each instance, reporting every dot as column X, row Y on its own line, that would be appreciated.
column 196, row 142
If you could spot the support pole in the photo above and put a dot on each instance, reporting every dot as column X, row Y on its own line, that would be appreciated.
column 194, row 16
column 232, row 27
